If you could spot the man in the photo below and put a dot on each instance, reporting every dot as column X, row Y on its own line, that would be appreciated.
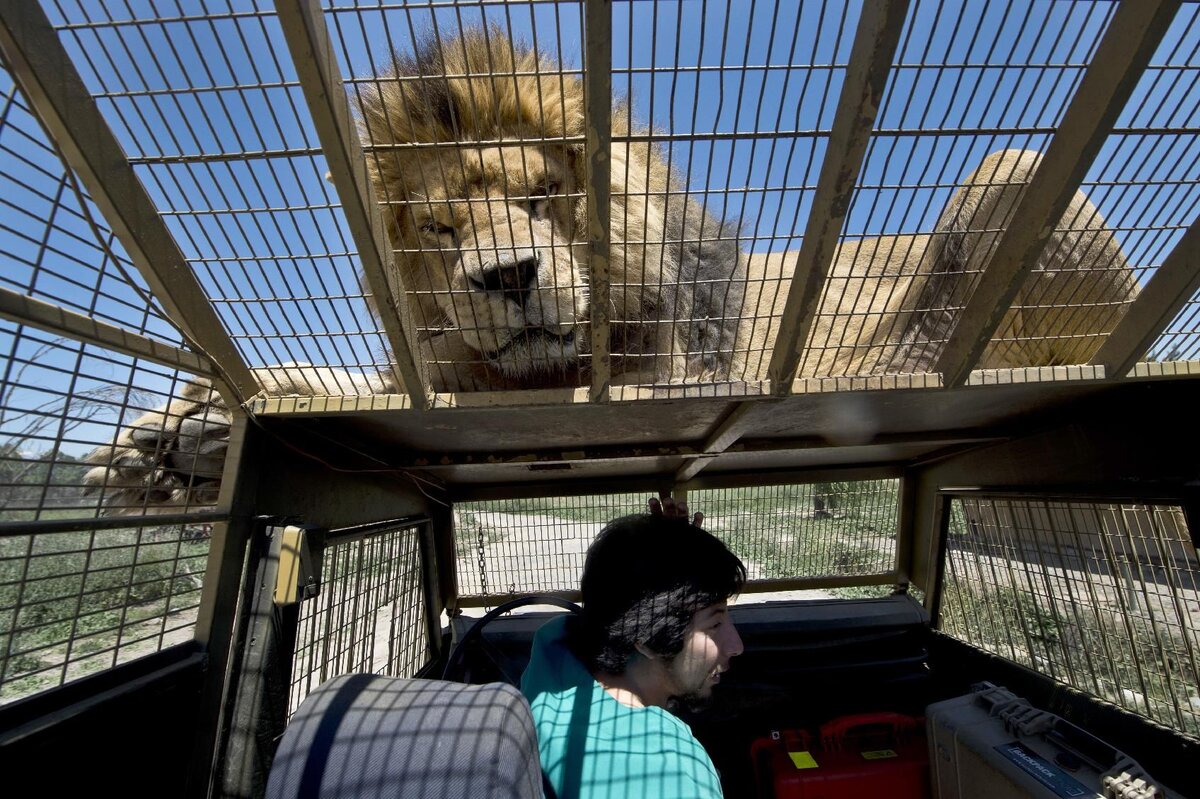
column 655, row 630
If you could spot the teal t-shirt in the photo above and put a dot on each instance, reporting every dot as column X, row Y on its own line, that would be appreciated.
column 594, row 747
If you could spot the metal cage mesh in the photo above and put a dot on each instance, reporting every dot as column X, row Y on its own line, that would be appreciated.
column 208, row 109
column 842, row 529
column 56, row 245
column 75, row 603
column 369, row 615
column 526, row 546
column 1100, row 596
column 723, row 119
column 721, row 124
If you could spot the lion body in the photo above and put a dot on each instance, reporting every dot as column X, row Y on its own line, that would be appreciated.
column 889, row 303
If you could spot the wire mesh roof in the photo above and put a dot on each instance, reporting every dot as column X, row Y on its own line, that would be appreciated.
column 407, row 198
column 739, row 104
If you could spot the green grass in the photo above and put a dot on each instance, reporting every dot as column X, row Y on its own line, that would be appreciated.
column 81, row 590
column 781, row 532
column 1117, row 657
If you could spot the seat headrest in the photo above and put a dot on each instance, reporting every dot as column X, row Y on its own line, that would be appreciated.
column 362, row 735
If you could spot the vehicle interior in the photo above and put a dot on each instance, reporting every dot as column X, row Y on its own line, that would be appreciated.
column 327, row 348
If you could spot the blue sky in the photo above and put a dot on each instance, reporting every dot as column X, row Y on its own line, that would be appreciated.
column 986, row 75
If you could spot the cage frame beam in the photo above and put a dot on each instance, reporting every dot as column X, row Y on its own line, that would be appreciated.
column 418, row 461
column 875, row 43
column 1121, row 57
column 315, row 61
column 52, row 85
column 598, row 148
column 751, row 587
column 53, row 319
column 723, row 436
column 1159, row 301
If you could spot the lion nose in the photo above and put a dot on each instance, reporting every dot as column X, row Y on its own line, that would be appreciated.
column 513, row 278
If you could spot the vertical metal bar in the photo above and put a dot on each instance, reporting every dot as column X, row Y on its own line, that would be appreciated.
column 598, row 88
column 441, row 520
column 1072, row 603
column 430, row 591
column 906, row 524
column 316, row 65
column 1093, row 597
column 259, row 697
column 1173, row 284
column 875, row 43
column 933, row 597
column 1178, row 606
column 222, row 593
column 1106, row 543
column 48, row 78
column 1032, row 537
column 1132, row 36
column 1157, row 537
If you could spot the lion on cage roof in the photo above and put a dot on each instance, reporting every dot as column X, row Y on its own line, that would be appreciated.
column 490, row 239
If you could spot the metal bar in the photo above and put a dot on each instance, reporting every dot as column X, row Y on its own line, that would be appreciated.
column 938, row 556
column 598, row 88
column 11, row 529
column 723, row 435
column 652, row 484
column 431, row 594
column 906, row 526
column 875, row 44
column 222, row 593
column 495, row 600
column 382, row 462
column 751, row 587
column 258, row 700
column 807, row 583
column 1173, row 284
column 42, row 68
column 341, row 536
column 316, row 65
column 1133, row 34
column 59, row 321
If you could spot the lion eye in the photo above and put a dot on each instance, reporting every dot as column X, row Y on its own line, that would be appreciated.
column 539, row 198
column 434, row 228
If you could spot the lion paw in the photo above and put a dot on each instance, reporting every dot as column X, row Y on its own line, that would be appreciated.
column 170, row 458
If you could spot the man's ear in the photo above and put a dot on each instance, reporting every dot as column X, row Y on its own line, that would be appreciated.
column 645, row 651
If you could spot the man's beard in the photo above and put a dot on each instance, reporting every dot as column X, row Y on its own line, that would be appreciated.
column 692, row 702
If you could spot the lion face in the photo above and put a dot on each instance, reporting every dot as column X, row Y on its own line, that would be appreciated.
column 487, row 242
column 476, row 147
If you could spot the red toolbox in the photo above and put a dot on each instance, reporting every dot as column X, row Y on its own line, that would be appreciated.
column 870, row 755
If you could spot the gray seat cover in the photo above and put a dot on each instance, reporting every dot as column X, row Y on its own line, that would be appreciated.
column 361, row 736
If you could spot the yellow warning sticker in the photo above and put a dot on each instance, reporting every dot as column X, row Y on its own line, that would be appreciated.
column 803, row 760
column 879, row 754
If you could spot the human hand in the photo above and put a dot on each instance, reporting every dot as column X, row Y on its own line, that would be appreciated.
column 671, row 509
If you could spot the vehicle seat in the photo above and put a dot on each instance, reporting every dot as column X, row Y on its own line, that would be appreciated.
column 361, row 735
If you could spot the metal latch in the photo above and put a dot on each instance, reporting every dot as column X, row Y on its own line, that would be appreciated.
column 299, row 574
